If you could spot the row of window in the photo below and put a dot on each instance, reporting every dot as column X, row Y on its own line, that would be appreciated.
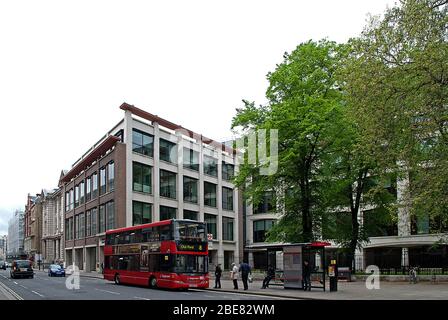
column 142, row 213
column 142, row 177
column 143, row 143
column 88, row 189
column 91, row 222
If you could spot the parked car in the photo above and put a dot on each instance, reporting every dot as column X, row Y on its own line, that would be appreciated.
column 3, row 265
column 56, row 270
column 21, row 268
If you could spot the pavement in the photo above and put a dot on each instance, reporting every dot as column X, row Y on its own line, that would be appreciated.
column 94, row 287
column 349, row 291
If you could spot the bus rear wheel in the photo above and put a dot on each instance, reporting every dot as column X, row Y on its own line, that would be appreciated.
column 153, row 282
column 117, row 279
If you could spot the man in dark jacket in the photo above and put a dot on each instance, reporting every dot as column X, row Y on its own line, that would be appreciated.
column 245, row 271
column 218, row 273
column 306, row 276
column 270, row 275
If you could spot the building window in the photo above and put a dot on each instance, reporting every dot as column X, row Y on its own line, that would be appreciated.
column 190, row 190
column 110, row 211
column 76, row 196
column 167, row 213
column 72, row 199
column 142, row 143
column 210, row 166
column 67, row 201
column 88, row 189
column 261, row 227
column 227, row 199
column 167, row 184
column 82, row 226
column 94, row 217
column 94, row 185
column 168, row 151
column 77, row 227
column 71, row 228
column 266, row 204
column 141, row 177
column 88, row 224
column 210, row 194
column 81, row 192
column 228, row 171
column 111, row 176
column 210, row 220
column 227, row 228
column 141, row 213
column 67, row 229
column 191, row 159
column 192, row 215
column 101, row 219
column 102, row 181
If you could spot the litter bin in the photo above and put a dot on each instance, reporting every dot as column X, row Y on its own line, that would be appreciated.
column 333, row 275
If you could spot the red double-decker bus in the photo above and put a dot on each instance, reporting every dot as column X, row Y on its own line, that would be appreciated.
column 166, row 254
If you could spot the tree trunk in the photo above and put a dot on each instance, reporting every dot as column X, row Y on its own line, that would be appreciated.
column 354, row 208
column 307, row 223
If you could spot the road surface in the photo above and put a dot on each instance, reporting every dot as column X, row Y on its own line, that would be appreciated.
column 43, row 287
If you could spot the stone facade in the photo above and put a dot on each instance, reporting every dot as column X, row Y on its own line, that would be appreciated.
column 52, row 226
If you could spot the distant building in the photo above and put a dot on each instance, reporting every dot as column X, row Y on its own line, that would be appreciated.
column 52, row 226
column 33, row 227
column 3, row 247
column 15, row 243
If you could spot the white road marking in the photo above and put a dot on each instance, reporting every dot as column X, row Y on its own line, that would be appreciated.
column 188, row 294
column 15, row 282
column 9, row 292
column 37, row 293
column 24, row 287
column 111, row 292
column 141, row 298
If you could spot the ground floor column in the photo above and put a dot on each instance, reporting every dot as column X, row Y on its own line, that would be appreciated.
column 404, row 257
column 359, row 259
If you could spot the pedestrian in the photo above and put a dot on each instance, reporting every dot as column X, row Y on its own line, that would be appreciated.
column 234, row 275
column 245, row 271
column 218, row 273
column 270, row 275
column 306, row 276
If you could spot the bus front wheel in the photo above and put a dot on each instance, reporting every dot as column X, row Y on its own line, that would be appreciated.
column 117, row 279
column 153, row 282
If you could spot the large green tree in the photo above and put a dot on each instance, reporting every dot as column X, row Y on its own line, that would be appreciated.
column 397, row 84
column 304, row 105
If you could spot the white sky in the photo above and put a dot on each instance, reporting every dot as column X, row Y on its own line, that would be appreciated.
column 66, row 67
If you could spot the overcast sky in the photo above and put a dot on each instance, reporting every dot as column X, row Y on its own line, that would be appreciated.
column 66, row 67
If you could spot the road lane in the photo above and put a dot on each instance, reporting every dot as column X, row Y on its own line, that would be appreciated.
column 43, row 287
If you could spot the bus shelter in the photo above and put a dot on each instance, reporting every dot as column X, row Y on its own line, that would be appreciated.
column 290, row 265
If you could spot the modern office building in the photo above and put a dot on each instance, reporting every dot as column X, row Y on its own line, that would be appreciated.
column 52, row 226
column 16, row 234
column 148, row 169
column 394, row 242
